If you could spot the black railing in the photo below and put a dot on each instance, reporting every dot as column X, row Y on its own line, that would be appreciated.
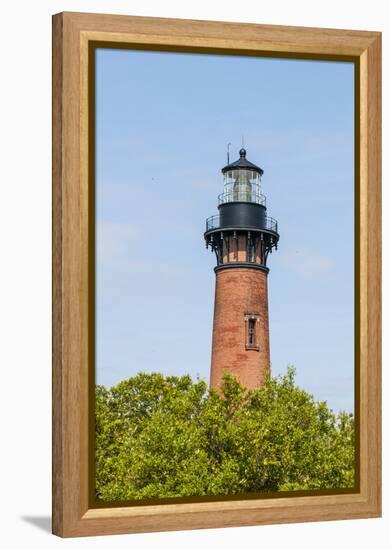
column 213, row 222
column 242, row 196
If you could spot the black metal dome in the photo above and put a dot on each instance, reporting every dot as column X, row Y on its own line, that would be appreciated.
column 242, row 163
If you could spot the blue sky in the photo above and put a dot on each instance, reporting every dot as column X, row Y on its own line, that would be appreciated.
column 163, row 122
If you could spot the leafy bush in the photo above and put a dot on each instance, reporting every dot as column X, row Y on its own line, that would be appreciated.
column 162, row 436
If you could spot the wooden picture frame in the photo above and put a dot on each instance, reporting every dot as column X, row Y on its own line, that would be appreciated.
column 74, row 36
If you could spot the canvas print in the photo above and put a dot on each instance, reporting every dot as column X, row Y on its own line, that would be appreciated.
column 224, row 275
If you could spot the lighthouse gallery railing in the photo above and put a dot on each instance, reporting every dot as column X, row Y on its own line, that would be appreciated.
column 213, row 222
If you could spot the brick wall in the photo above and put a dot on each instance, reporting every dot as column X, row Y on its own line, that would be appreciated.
column 240, row 292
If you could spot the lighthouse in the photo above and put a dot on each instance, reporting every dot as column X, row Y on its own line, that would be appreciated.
column 242, row 236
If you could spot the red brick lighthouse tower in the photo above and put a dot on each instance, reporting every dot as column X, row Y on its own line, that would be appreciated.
column 242, row 236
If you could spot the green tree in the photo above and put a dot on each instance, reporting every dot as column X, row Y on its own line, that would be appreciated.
column 162, row 436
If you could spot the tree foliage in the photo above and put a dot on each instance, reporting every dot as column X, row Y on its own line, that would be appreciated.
column 162, row 436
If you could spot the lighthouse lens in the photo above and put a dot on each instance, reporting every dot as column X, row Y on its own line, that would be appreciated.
column 242, row 186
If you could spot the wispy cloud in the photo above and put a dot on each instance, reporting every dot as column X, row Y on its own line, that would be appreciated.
column 115, row 240
column 306, row 263
column 313, row 323
column 119, row 255
column 305, row 141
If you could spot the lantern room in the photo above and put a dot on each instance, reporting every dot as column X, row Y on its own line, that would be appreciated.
column 242, row 181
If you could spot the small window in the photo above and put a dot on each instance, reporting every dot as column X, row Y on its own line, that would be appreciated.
column 251, row 332
column 251, row 250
